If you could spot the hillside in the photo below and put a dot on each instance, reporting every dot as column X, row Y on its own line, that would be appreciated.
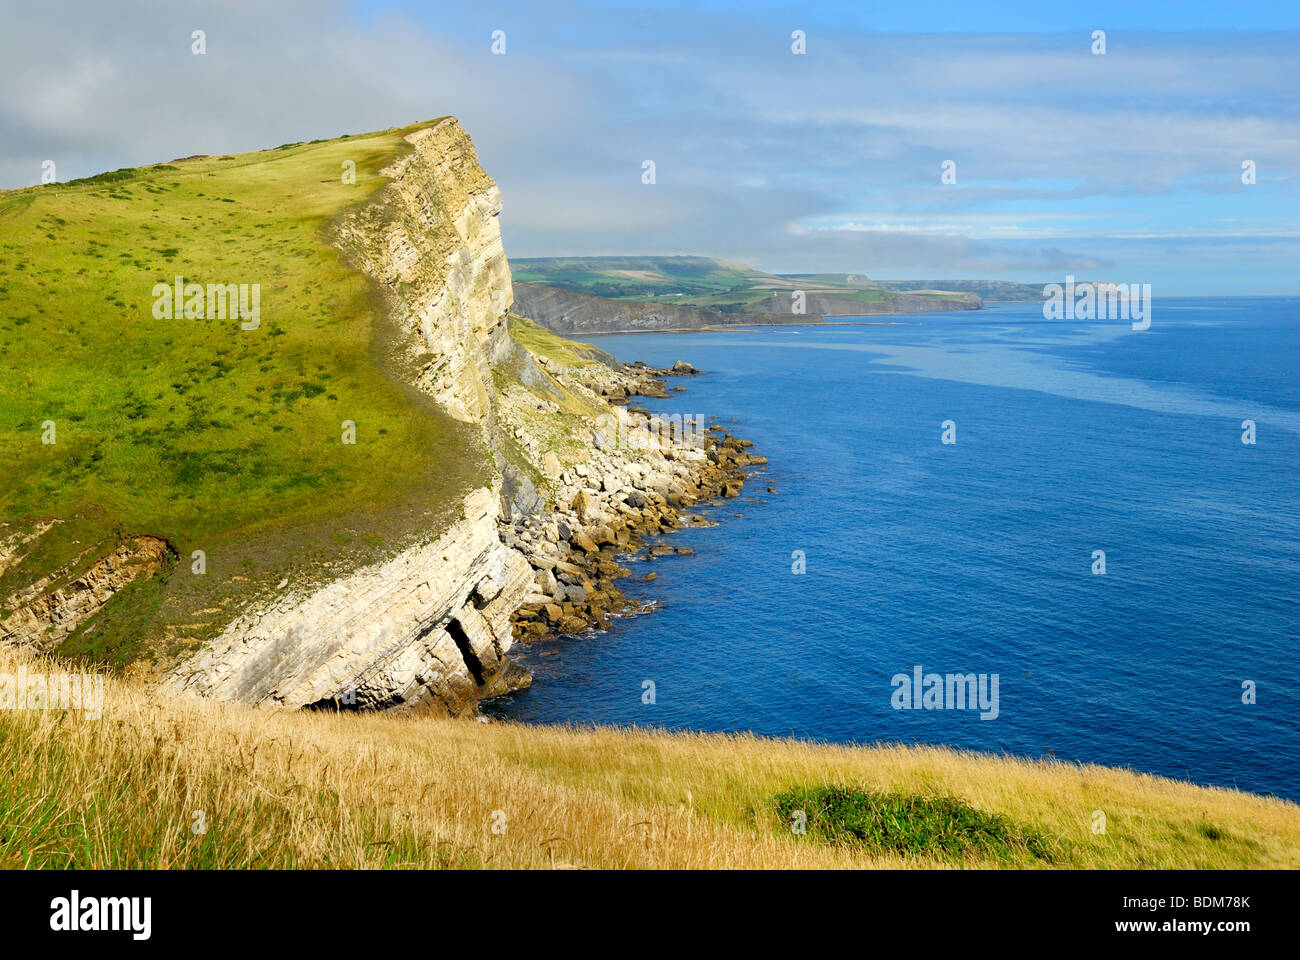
column 989, row 290
column 614, row 278
column 572, row 313
column 121, row 790
column 195, row 431
column 623, row 294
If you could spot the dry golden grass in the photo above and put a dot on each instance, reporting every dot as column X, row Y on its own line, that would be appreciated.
column 313, row 790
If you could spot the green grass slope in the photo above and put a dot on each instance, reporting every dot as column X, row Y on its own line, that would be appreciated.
column 213, row 437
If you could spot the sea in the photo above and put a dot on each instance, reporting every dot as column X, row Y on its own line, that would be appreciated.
column 1101, row 524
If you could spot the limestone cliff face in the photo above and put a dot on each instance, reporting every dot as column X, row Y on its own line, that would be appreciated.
column 430, row 628
column 433, row 243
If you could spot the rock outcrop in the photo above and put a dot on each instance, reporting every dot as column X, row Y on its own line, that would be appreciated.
column 45, row 612
column 428, row 630
column 630, row 476
column 433, row 244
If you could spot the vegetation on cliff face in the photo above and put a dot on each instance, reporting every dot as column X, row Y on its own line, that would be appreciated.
column 543, row 343
column 196, row 430
column 198, row 784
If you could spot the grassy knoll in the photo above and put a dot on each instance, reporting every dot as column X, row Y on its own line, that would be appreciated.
column 214, row 437
column 353, row 790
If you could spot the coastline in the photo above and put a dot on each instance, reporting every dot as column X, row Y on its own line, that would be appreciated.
column 620, row 501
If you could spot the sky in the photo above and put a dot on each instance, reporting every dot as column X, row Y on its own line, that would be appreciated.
column 1125, row 166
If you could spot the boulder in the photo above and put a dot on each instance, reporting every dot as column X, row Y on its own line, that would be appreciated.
column 571, row 624
column 584, row 505
column 565, row 569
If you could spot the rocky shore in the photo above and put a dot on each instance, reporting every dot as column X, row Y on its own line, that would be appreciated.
column 639, row 483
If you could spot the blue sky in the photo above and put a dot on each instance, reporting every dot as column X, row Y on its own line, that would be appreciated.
column 1123, row 166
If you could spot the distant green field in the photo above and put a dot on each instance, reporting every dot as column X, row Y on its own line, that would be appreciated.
column 987, row 289
column 871, row 295
column 710, row 284
column 635, row 277
column 217, row 438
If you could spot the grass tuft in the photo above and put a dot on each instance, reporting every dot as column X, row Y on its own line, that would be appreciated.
column 907, row 824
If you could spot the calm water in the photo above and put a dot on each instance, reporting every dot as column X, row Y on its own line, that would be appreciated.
column 977, row 557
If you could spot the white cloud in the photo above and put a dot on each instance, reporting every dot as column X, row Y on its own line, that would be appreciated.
column 758, row 151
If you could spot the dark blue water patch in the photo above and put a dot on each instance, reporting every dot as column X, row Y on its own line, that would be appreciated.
column 977, row 557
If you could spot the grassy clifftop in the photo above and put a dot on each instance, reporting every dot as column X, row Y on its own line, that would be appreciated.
column 212, row 434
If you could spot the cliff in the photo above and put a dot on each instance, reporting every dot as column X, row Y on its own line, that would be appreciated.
column 432, row 243
column 361, row 500
column 430, row 629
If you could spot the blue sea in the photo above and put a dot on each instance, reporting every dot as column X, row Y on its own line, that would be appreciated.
column 978, row 556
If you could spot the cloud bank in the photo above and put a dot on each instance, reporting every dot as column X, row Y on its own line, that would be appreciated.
column 1127, row 164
